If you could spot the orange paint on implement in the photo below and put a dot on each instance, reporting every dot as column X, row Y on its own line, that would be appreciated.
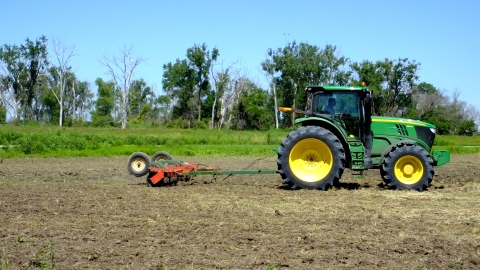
column 172, row 171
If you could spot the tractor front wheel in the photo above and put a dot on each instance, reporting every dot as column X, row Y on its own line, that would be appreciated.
column 408, row 167
column 311, row 157
column 138, row 164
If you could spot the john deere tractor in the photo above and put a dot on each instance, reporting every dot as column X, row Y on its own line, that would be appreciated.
column 338, row 131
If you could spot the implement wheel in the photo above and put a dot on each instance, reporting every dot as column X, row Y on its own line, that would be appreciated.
column 408, row 167
column 138, row 164
column 161, row 155
column 311, row 157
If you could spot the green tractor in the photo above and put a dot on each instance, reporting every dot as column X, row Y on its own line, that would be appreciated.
column 338, row 131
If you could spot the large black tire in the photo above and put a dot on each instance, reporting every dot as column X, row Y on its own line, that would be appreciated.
column 311, row 157
column 407, row 167
column 161, row 155
column 138, row 164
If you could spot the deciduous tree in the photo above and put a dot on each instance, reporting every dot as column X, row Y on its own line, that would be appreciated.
column 299, row 65
column 141, row 101
column 200, row 61
column 102, row 116
column 121, row 69
column 21, row 66
column 392, row 82
column 178, row 84
column 63, row 55
column 83, row 100
column 251, row 111
column 187, row 81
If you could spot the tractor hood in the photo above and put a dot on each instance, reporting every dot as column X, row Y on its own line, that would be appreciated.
column 405, row 121
column 406, row 129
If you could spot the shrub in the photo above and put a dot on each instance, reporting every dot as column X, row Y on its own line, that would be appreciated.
column 179, row 123
column 102, row 121
column 200, row 125
column 467, row 128
column 32, row 144
column 10, row 137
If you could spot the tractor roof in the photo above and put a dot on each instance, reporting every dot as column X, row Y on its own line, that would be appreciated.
column 334, row 88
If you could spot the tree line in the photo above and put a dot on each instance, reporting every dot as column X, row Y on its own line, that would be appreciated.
column 201, row 91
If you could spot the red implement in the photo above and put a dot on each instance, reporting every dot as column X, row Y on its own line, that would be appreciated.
column 157, row 174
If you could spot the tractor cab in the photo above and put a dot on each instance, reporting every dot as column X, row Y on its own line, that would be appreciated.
column 344, row 108
column 348, row 107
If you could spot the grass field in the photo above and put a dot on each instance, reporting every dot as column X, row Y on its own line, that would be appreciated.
column 51, row 141
column 71, row 142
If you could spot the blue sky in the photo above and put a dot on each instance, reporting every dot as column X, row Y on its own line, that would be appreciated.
column 442, row 35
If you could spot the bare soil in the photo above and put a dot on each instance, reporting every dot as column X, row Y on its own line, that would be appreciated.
column 90, row 214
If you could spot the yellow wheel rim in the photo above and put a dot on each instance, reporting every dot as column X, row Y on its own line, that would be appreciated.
column 409, row 169
column 138, row 164
column 311, row 160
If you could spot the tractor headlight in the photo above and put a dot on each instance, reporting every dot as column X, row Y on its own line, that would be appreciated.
column 433, row 130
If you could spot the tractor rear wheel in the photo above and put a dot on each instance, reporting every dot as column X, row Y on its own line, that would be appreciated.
column 408, row 167
column 161, row 155
column 311, row 157
column 138, row 164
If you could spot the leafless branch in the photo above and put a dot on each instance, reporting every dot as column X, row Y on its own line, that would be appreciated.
column 121, row 69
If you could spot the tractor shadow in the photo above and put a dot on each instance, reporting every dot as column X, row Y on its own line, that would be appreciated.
column 350, row 186
column 365, row 185
column 346, row 186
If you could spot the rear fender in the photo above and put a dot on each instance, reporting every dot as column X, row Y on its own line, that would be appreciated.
column 341, row 134
column 322, row 122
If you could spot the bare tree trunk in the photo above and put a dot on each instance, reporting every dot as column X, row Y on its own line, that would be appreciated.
column 74, row 100
column 229, row 99
column 268, row 68
column 199, row 111
column 121, row 69
column 123, row 109
column 292, row 115
column 82, row 118
column 63, row 53
column 213, row 111
column 274, row 88
column 215, row 91
column 61, row 113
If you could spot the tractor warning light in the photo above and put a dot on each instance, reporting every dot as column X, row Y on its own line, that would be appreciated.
column 284, row 109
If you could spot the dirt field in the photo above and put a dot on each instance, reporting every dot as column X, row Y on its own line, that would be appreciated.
column 88, row 213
